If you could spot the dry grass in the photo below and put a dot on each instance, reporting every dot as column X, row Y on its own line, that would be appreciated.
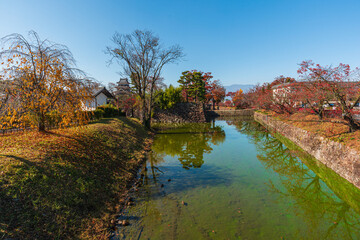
column 66, row 184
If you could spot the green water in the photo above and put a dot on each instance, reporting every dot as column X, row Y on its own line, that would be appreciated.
column 231, row 179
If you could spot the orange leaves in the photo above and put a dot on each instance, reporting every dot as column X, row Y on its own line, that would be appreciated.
column 39, row 87
column 238, row 95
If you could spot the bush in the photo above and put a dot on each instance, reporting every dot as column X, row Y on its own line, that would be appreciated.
column 98, row 114
column 109, row 110
column 106, row 111
column 169, row 97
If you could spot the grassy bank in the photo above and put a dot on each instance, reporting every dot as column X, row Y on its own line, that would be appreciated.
column 67, row 184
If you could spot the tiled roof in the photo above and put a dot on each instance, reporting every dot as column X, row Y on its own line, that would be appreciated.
column 124, row 81
column 104, row 91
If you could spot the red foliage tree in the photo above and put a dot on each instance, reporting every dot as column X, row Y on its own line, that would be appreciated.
column 228, row 103
column 312, row 96
column 279, row 95
column 237, row 98
column 215, row 92
column 282, row 80
column 129, row 104
column 284, row 97
column 339, row 82
column 264, row 96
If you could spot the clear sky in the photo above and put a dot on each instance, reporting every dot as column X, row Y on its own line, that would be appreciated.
column 240, row 41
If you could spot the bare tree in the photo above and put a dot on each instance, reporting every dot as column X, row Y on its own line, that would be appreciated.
column 142, row 58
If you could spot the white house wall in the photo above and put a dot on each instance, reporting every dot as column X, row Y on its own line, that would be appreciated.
column 99, row 100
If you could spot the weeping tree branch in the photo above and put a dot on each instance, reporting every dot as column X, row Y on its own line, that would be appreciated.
column 39, row 77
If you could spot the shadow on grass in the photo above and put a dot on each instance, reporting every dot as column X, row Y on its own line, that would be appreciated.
column 78, row 176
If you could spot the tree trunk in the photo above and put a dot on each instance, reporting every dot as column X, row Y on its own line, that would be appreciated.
column 148, row 123
column 41, row 126
column 148, row 119
column 143, row 112
column 319, row 113
column 213, row 103
column 353, row 126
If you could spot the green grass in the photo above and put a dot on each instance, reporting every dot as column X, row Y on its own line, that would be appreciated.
column 66, row 184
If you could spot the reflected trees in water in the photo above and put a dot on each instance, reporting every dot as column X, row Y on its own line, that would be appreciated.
column 189, row 143
column 308, row 190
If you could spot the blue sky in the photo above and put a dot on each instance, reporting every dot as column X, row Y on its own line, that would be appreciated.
column 240, row 42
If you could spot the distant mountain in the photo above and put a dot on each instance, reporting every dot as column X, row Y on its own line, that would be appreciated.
column 235, row 87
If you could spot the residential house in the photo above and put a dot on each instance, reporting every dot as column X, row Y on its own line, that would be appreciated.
column 100, row 97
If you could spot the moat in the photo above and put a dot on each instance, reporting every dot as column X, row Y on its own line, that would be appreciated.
column 231, row 179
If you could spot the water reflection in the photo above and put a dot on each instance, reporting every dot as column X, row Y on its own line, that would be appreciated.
column 189, row 142
column 339, row 208
column 227, row 197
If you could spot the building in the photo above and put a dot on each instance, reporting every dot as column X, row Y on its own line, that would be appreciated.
column 100, row 97
column 281, row 91
column 123, row 87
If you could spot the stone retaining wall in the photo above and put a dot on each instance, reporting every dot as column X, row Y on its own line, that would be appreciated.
column 239, row 112
column 340, row 158
column 181, row 113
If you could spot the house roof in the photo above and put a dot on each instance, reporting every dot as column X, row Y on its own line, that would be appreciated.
column 104, row 91
column 281, row 85
column 123, row 82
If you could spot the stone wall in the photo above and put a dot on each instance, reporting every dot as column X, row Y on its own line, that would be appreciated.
column 181, row 113
column 340, row 158
column 239, row 112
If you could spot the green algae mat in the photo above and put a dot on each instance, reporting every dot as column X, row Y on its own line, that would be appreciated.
column 231, row 179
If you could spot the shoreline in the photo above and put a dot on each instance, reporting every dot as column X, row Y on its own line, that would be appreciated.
column 342, row 159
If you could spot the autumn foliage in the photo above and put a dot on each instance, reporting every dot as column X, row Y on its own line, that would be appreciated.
column 40, row 85
column 333, row 83
column 278, row 95
column 215, row 92
column 320, row 90
column 237, row 98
